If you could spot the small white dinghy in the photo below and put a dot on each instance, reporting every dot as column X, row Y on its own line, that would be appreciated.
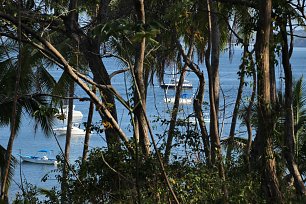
column 42, row 157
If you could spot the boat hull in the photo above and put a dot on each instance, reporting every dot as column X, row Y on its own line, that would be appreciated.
column 38, row 160
column 74, row 131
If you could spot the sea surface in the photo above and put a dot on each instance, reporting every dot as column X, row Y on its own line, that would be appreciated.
column 29, row 141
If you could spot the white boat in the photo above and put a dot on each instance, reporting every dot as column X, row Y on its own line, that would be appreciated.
column 184, row 99
column 174, row 83
column 75, row 130
column 42, row 157
column 63, row 113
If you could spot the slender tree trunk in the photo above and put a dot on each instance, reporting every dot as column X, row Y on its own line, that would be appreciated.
column 174, row 113
column 213, row 77
column 140, row 85
column 175, row 107
column 4, row 181
column 198, row 101
column 88, row 129
column 237, row 105
column 197, row 106
column 67, row 143
column 249, row 113
column 289, row 141
column 266, row 126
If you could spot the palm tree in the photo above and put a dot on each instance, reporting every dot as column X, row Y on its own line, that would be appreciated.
column 21, row 94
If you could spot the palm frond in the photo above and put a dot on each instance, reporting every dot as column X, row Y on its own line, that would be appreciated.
column 44, row 81
column 62, row 86
column 43, row 114
column 3, row 162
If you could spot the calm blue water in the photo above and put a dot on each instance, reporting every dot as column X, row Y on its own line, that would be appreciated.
column 28, row 141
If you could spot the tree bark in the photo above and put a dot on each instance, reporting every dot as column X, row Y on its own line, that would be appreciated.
column 197, row 106
column 67, row 144
column 264, row 143
column 174, row 113
column 212, row 65
column 198, row 102
column 140, row 85
column 289, row 139
column 214, row 82
column 237, row 105
column 88, row 129
column 91, row 50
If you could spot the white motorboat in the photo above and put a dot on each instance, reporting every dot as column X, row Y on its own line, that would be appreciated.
column 184, row 99
column 63, row 113
column 174, row 83
column 75, row 130
column 42, row 157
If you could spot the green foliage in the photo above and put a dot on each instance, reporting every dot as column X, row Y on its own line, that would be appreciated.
column 104, row 178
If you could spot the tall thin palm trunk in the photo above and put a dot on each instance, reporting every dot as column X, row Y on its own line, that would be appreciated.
column 4, row 182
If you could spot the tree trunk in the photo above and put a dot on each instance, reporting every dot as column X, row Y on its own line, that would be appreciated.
column 174, row 113
column 67, row 144
column 5, row 178
column 88, row 129
column 198, row 100
column 237, row 105
column 214, row 83
column 140, row 85
column 91, row 50
column 249, row 113
column 197, row 106
column 289, row 141
column 264, row 143
column 213, row 77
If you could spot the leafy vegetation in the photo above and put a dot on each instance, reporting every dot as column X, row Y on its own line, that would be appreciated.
column 188, row 164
